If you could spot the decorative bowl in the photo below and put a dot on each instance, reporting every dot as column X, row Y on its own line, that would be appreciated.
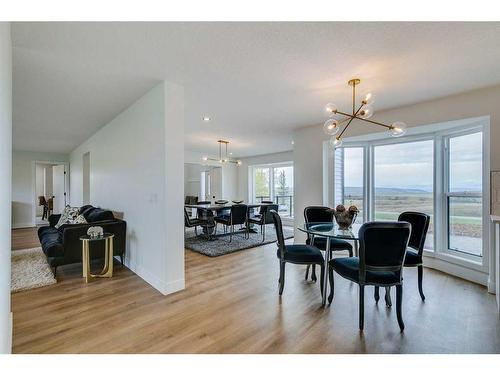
column 345, row 217
column 238, row 202
column 221, row 201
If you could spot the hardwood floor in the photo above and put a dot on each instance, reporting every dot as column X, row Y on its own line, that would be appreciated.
column 231, row 305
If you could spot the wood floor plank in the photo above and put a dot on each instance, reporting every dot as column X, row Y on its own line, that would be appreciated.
column 231, row 305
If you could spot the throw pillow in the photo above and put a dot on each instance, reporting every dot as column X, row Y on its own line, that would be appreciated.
column 69, row 214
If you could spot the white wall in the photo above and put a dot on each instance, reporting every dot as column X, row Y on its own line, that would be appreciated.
column 308, row 157
column 23, row 194
column 135, row 169
column 5, row 185
column 278, row 157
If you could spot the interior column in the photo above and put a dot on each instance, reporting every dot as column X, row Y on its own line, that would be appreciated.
column 5, row 184
column 174, row 188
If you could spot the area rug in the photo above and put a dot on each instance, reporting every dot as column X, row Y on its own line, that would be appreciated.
column 220, row 245
column 30, row 270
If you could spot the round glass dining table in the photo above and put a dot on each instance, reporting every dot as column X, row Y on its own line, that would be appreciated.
column 330, row 230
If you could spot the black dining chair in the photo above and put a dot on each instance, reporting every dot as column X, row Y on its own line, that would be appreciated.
column 380, row 263
column 191, row 222
column 296, row 254
column 264, row 217
column 419, row 227
column 321, row 214
column 237, row 216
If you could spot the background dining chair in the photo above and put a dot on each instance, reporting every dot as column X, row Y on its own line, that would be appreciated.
column 380, row 263
column 190, row 222
column 264, row 217
column 43, row 202
column 322, row 214
column 296, row 254
column 419, row 227
column 237, row 216
column 50, row 206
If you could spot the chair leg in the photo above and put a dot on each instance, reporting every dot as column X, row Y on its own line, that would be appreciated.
column 376, row 294
column 121, row 259
column 55, row 271
column 313, row 274
column 388, row 300
column 361, row 307
column 231, row 233
column 307, row 271
column 282, row 277
column 263, row 230
column 330, row 279
column 420, row 276
column 399, row 303
column 196, row 230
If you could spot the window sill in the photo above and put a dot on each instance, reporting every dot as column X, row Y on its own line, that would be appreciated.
column 459, row 261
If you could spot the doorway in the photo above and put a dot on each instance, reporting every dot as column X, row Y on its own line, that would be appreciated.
column 51, row 182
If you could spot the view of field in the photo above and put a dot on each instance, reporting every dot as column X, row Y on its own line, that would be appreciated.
column 465, row 213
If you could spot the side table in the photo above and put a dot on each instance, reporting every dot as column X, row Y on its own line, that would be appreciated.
column 107, row 271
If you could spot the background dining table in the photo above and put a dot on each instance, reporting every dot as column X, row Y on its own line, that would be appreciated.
column 214, row 207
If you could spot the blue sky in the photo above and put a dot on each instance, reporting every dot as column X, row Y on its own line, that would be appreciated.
column 410, row 165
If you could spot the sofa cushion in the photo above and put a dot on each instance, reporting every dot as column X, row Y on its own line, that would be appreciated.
column 42, row 230
column 98, row 214
column 85, row 209
column 51, row 240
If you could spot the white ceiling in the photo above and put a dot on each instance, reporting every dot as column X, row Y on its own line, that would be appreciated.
column 257, row 81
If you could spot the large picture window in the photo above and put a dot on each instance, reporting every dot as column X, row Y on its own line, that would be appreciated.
column 404, row 181
column 439, row 172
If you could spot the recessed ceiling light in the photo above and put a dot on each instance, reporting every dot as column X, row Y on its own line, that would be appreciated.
column 293, row 142
column 230, row 153
column 206, row 118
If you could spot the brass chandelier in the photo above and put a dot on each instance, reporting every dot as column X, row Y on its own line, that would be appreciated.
column 364, row 112
column 223, row 157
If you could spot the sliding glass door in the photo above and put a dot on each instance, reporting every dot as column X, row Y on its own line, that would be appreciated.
column 273, row 182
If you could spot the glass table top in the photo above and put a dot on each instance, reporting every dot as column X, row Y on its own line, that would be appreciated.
column 331, row 230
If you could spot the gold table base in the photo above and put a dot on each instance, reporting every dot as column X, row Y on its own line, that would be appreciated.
column 107, row 271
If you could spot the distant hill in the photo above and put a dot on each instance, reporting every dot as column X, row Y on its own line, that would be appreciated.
column 358, row 191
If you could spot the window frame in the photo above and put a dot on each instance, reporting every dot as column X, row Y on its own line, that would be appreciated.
column 439, row 133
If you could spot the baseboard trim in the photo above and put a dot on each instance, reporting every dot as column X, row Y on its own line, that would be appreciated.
column 163, row 287
column 23, row 225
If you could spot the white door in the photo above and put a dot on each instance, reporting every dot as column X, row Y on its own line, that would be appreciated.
column 59, row 188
